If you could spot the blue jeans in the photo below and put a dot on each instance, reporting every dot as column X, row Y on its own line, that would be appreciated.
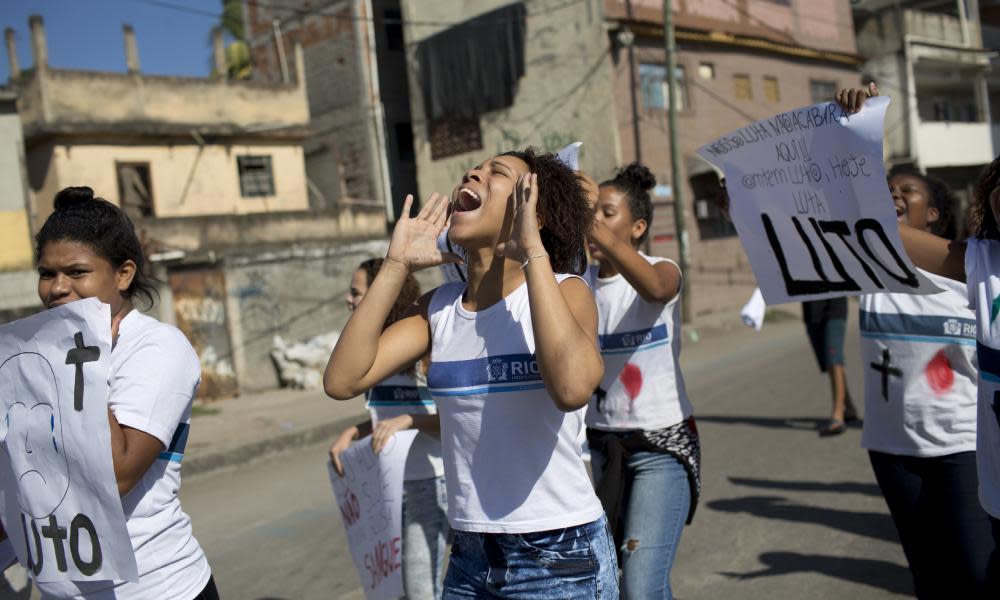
column 657, row 500
column 575, row 563
column 425, row 533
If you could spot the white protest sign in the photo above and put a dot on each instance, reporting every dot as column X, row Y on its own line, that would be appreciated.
column 370, row 498
column 58, row 495
column 809, row 199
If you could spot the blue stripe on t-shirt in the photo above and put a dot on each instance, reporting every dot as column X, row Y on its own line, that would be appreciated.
column 929, row 327
column 628, row 341
column 500, row 373
column 175, row 451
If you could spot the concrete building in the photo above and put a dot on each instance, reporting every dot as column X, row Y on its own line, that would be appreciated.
column 930, row 58
column 737, row 62
column 18, row 281
column 371, row 135
column 212, row 173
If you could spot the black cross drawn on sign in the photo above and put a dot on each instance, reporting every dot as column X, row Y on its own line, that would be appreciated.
column 77, row 356
column 886, row 369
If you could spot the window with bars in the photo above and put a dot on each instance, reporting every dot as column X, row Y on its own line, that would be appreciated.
column 449, row 137
column 256, row 176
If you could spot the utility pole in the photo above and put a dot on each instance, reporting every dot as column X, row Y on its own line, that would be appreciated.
column 633, row 84
column 676, row 185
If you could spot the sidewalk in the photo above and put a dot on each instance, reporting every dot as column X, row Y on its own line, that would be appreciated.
column 235, row 431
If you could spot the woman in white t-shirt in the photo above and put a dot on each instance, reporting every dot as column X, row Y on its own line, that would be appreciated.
column 975, row 262
column 919, row 359
column 397, row 403
column 643, row 442
column 88, row 248
column 514, row 360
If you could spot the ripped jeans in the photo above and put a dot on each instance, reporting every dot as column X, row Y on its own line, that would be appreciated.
column 657, row 499
column 576, row 563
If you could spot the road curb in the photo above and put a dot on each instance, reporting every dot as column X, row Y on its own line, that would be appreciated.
column 212, row 461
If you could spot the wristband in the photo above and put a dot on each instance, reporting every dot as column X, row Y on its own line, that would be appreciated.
column 528, row 260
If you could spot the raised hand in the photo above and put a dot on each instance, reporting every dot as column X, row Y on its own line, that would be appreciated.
column 414, row 239
column 852, row 99
column 525, row 237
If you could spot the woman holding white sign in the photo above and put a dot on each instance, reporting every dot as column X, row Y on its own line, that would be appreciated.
column 402, row 402
column 88, row 248
column 976, row 262
column 514, row 359
column 643, row 441
column 920, row 410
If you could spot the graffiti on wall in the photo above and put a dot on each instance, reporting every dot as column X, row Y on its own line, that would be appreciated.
column 200, row 307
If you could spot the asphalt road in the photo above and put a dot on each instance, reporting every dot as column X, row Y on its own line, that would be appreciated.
column 784, row 514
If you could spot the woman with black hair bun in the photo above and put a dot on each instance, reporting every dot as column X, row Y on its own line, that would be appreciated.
column 514, row 360
column 88, row 248
column 644, row 445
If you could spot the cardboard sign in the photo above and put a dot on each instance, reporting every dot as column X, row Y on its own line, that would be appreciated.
column 58, row 494
column 808, row 197
column 370, row 499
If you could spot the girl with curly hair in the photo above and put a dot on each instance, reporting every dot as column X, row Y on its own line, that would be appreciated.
column 643, row 442
column 976, row 263
column 513, row 360
column 394, row 404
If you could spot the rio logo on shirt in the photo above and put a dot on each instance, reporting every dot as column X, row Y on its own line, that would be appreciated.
column 500, row 369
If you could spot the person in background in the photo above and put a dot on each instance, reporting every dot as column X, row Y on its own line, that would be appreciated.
column 88, row 248
column 402, row 402
column 644, row 444
column 826, row 324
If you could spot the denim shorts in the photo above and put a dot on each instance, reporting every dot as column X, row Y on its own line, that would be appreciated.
column 566, row 564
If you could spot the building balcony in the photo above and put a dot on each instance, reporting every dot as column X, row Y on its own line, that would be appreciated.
column 955, row 144
column 937, row 27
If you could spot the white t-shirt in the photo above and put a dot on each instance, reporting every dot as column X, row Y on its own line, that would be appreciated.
column 512, row 459
column 641, row 344
column 402, row 394
column 918, row 354
column 982, row 272
column 154, row 375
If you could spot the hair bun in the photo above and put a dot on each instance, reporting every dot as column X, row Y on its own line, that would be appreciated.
column 73, row 196
column 638, row 175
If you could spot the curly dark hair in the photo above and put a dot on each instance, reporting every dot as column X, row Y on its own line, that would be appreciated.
column 408, row 295
column 563, row 207
column 635, row 181
column 80, row 217
column 984, row 222
column 941, row 198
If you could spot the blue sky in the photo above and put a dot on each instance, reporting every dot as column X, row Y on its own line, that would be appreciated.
column 87, row 34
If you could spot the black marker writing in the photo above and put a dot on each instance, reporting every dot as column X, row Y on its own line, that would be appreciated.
column 802, row 287
column 77, row 356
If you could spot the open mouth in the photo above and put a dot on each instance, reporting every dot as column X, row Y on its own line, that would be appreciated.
column 900, row 210
column 466, row 201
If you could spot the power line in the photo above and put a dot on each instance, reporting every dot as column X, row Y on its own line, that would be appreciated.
column 299, row 13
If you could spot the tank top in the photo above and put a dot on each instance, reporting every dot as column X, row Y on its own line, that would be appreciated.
column 512, row 459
